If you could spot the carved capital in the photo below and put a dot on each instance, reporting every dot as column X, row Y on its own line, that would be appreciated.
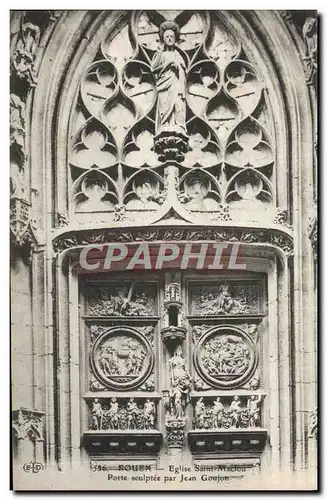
column 28, row 423
column 175, row 432
column 22, row 227
column 171, row 146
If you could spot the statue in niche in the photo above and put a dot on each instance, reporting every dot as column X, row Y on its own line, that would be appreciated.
column 149, row 414
column 253, row 407
column 97, row 414
column 199, row 413
column 169, row 69
column 217, row 414
column 235, row 411
column 180, row 382
column 132, row 413
column 113, row 414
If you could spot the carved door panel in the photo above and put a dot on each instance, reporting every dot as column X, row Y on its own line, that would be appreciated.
column 172, row 361
column 226, row 323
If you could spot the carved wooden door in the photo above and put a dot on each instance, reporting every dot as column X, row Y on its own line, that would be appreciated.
column 173, row 362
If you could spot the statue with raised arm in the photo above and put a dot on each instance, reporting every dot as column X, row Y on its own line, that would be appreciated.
column 253, row 408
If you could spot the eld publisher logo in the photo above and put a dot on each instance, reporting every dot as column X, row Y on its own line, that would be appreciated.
column 33, row 467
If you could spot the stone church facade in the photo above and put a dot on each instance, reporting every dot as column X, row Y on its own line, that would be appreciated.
column 175, row 127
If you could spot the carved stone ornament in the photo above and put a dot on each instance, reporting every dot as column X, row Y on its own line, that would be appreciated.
column 122, row 415
column 228, row 412
column 310, row 36
column 28, row 423
column 22, row 227
column 225, row 357
column 273, row 237
column 128, row 299
column 121, row 358
column 25, row 51
column 62, row 219
column 180, row 384
column 174, row 89
column 17, row 132
column 223, row 299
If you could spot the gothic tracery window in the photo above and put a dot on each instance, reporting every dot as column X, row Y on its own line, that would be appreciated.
column 206, row 88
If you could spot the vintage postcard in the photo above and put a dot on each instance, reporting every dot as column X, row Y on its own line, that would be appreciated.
column 163, row 215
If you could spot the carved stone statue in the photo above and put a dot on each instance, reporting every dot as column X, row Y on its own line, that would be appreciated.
column 169, row 69
column 180, row 382
column 235, row 411
column 149, row 414
column 113, row 414
column 132, row 413
column 217, row 413
column 199, row 413
column 97, row 414
column 253, row 407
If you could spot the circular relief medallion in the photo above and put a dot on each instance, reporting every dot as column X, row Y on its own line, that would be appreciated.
column 121, row 358
column 225, row 357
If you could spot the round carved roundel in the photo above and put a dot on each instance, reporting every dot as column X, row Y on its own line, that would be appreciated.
column 121, row 358
column 225, row 357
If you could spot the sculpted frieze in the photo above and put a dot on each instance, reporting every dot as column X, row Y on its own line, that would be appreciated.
column 123, row 415
column 227, row 412
column 130, row 299
column 273, row 236
column 223, row 299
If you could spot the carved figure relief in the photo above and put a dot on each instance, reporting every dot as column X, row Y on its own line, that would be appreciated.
column 227, row 412
column 121, row 358
column 123, row 416
column 130, row 299
column 225, row 357
column 223, row 299
column 180, row 383
column 169, row 68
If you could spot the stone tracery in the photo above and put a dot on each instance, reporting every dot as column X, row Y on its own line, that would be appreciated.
column 179, row 85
